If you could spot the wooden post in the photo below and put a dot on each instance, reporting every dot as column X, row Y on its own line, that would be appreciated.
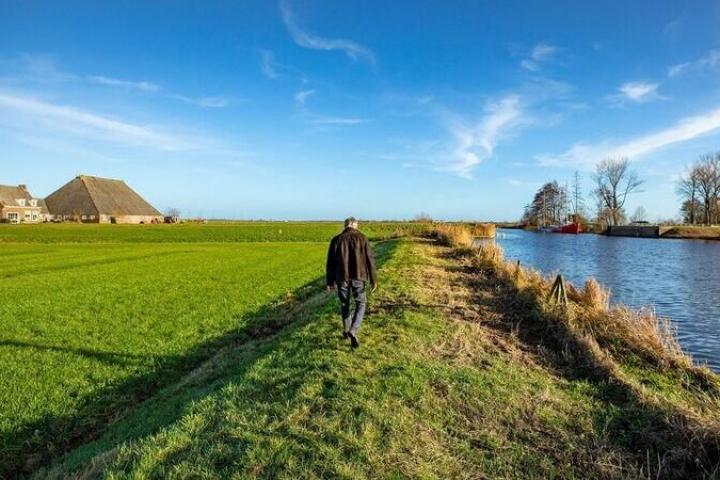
column 558, row 294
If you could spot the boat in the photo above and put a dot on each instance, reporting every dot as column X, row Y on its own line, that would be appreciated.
column 572, row 227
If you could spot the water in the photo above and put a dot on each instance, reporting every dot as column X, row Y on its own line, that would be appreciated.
column 679, row 278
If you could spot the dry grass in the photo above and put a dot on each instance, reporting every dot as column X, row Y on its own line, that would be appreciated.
column 483, row 230
column 620, row 328
column 452, row 235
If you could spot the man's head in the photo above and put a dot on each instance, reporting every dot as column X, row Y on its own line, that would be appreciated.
column 351, row 222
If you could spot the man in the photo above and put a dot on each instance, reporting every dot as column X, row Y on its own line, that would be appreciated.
column 350, row 264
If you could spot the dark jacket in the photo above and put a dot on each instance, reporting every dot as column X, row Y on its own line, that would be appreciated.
column 350, row 257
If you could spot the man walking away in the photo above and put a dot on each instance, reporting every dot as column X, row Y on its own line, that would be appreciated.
column 350, row 264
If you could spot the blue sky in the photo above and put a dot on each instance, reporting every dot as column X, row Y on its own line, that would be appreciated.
column 323, row 109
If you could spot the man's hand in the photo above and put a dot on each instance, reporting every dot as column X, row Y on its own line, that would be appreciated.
column 373, row 287
column 330, row 288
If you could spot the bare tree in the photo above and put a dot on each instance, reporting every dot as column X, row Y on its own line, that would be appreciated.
column 615, row 181
column 173, row 212
column 640, row 215
column 578, row 204
column 687, row 188
column 423, row 217
column 707, row 171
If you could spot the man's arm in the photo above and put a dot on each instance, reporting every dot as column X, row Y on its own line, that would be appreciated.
column 370, row 265
column 330, row 264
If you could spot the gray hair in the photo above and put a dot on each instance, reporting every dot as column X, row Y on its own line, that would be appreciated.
column 351, row 222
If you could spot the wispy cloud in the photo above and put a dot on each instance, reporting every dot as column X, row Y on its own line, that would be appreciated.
column 114, row 82
column 67, row 119
column 476, row 142
column 539, row 54
column 324, row 120
column 710, row 61
column 267, row 64
column 44, row 68
column 353, row 50
column 674, row 29
column 588, row 154
column 204, row 102
column 636, row 92
column 303, row 95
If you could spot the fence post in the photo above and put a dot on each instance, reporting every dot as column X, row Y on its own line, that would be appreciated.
column 558, row 294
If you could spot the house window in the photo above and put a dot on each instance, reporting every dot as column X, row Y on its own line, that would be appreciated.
column 33, row 203
column 27, row 216
column 21, row 202
column 92, row 217
column 14, row 217
column 35, row 217
column 84, row 217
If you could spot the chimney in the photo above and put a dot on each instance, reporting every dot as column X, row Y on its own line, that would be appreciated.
column 22, row 186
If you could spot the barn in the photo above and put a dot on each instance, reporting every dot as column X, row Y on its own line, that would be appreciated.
column 100, row 200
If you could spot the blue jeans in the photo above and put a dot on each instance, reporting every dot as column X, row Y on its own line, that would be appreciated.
column 347, row 290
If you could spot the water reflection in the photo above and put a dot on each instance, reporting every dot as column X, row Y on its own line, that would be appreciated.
column 679, row 278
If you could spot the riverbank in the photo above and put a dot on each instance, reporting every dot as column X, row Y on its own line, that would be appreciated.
column 691, row 232
column 688, row 232
column 464, row 372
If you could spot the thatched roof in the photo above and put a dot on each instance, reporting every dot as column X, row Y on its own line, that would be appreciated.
column 9, row 194
column 88, row 195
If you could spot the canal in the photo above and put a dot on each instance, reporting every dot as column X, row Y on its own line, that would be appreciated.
column 679, row 278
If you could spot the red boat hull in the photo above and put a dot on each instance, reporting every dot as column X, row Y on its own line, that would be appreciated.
column 569, row 228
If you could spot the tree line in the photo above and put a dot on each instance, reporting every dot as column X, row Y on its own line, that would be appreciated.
column 699, row 188
column 614, row 182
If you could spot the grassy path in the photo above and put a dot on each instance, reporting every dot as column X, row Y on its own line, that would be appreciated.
column 451, row 381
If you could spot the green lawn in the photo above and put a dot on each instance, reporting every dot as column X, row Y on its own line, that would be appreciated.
column 86, row 330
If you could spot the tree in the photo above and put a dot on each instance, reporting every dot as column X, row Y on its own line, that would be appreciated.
column 640, row 215
column 549, row 206
column 708, row 183
column 687, row 188
column 614, row 182
column 423, row 217
column 173, row 212
column 578, row 205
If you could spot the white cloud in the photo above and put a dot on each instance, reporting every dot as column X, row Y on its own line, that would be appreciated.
column 635, row 92
column 303, row 95
column 678, row 69
column 476, row 142
column 323, row 120
column 114, row 82
column 710, row 61
column 267, row 64
column 352, row 49
column 540, row 53
column 639, row 91
column 587, row 155
column 204, row 102
column 43, row 68
column 89, row 125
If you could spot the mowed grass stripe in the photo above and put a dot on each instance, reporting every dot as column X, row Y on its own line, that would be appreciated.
column 102, row 319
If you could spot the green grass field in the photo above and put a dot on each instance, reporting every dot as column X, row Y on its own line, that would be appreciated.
column 195, row 232
column 86, row 330
column 224, row 360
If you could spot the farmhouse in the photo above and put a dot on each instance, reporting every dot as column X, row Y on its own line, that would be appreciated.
column 18, row 206
column 100, row 200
